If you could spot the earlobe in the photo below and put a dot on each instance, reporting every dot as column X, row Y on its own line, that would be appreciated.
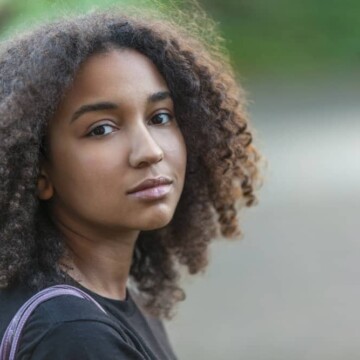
column 45, row 190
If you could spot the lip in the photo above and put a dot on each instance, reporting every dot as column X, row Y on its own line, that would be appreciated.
column 160, row 183
column 153, row 193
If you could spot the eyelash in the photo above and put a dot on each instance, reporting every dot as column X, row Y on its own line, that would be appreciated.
column 90, row 134
column 170, row 118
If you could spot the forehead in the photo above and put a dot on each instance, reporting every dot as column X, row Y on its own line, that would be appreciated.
column 116, row 73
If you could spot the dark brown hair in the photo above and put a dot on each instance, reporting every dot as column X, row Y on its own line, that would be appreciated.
column 37, row 68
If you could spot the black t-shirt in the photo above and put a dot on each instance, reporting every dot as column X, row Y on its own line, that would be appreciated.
column 70, row 328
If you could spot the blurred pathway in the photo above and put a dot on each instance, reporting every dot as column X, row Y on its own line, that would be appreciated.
column 290, row 289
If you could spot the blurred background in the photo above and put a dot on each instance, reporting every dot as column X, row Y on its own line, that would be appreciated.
column 290, row 288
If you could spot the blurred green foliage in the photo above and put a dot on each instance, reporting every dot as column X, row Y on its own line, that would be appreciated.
column 20, row 14
column 263, row 36
column 303, row 36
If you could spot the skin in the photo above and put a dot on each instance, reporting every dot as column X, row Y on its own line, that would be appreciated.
column 88, row 172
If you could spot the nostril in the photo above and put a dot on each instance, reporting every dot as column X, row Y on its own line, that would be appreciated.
column 161, row 157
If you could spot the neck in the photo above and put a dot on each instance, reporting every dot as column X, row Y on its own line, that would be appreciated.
column 101, row 265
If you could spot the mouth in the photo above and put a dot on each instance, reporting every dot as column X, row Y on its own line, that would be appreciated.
column 152, row 189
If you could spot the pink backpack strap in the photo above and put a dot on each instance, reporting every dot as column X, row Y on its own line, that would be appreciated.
column 10, row 341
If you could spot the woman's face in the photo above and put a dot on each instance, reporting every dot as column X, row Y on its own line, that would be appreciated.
column 114, row 129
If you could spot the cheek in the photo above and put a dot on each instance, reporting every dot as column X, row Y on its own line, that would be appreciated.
column 87, row 168
column 174, row 149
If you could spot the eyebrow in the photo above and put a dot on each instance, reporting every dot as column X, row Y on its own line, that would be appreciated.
column 93, row 107
column 105, row 105
column 158, row 96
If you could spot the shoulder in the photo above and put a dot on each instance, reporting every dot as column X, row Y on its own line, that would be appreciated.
column 61, row 308
column 77, row 339
column 11, row 299
column 67, row 327
column 66, row 308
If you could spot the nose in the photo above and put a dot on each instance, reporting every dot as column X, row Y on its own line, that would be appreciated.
column 145, row 150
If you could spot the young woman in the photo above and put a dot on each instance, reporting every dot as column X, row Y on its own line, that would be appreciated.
column 124, row 149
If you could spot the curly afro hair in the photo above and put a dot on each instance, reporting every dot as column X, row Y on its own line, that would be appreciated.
column 222, row 166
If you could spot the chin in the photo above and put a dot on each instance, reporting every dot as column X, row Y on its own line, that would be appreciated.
column 156, row 221
column 154, row 225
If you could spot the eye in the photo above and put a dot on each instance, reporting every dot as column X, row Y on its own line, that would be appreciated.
column 161, row 118
column 101, row 130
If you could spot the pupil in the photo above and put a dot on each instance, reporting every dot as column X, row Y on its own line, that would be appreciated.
column 159, row 119
column 99, row 130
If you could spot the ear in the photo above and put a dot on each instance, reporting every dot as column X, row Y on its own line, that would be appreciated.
column 45, row 189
